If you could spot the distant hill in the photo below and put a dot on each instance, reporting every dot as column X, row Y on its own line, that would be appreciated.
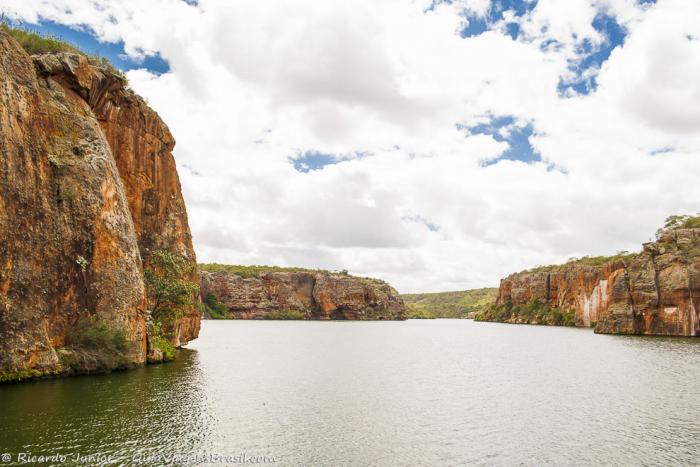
column 448, row 304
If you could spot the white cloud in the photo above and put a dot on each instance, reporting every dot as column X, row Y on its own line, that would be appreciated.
column 254, row 83
column 568, row 23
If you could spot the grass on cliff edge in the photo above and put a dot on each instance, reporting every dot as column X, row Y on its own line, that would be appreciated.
column 449, row 304
column 679, row 222
column 585, row 261
column 671, row 223
column 255, row 271
column 34, row 44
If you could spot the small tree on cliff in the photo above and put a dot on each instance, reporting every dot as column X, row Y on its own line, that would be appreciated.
column 170, row 293
column 679, row 222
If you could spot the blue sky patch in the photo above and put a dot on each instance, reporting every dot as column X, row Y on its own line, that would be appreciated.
column 593, row 57
column 422, row 220
column 664, row 150
column 312, row 160
column 504, row 129
column 478, row 25
column 475, row 27
column 86, row 41
column 309, row 161
column 590, row 58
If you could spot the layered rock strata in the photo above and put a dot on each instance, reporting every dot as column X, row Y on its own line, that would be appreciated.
column 654, row 292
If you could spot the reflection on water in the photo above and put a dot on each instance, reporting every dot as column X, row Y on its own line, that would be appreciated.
column 426, row 392
column 125, row 415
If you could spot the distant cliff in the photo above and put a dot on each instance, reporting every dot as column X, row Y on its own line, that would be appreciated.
column 88, row 189
column 654, row 292
column 276, row 293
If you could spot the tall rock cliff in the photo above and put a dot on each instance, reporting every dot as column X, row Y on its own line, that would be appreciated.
column 654, row 292
column 308, row 294
column 87, row 186
column 141, row 145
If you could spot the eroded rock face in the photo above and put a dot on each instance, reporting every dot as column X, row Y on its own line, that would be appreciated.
column 315, row 294
column 71, row 238
column 67, row 242
column 142, row 147
column 658, row 291
column 655, row 292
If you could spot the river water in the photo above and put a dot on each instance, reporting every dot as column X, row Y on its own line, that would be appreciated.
column 421, row 392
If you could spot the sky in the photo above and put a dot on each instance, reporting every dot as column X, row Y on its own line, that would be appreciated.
column 439, row 145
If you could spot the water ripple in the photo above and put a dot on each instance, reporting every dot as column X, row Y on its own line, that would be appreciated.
column 437, row 392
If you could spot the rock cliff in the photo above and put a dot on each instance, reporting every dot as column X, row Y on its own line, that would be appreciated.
column 654, row 292
column 87, row 186
column 304, row 295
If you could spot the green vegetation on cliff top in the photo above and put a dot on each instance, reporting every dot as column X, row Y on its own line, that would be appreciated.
column 584, row 261
column 679, row 222
column 448, row 304
column 34, row 43
column 671, row 223
column 256, row 271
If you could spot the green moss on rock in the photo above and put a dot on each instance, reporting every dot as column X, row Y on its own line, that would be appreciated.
column 534, row 312
column 286, row 315
column 162, row 350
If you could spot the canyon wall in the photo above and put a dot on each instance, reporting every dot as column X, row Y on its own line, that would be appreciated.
column 141, row 145
column 87, row 186
column 654, row 292
column 311, row 295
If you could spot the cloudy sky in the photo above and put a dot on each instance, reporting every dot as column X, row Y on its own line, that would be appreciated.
column 439, row 145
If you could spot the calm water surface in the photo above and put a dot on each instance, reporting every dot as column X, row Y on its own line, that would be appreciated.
column 431, row 392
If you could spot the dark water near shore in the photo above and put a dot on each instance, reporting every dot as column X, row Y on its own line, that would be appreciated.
column 431, row 392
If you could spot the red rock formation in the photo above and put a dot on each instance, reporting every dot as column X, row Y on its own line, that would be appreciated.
column 658, row 291
column 654, row 292
column 67, row 242
column 142, row 147
column 575, row 286
column 74, row 223
column 318, row 295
